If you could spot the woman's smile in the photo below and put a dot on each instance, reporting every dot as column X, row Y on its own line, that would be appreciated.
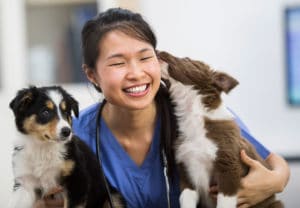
column 137, row 91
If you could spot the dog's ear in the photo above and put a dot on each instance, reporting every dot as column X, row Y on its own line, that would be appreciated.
column 224, row 81
column 74, row 106
column 23, row 99
column 73, row 103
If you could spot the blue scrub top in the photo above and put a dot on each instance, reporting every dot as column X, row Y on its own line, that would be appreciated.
column 141, row 186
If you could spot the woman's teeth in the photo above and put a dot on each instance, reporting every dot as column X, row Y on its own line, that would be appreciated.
column 136, row 89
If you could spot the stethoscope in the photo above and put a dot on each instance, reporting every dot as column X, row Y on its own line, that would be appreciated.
column 98, row 150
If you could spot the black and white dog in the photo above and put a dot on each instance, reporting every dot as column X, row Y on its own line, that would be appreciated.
column 209, row 141
column 47, row 154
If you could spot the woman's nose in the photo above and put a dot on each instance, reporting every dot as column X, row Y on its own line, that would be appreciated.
column 135, row 70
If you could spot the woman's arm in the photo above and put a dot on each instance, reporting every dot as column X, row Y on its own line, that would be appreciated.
column 260, row 183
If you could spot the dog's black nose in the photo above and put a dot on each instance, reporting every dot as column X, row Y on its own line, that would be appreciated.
column 65, row 132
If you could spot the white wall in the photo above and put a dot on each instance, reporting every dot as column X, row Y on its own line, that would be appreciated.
column 12, row 77
column 244, row 38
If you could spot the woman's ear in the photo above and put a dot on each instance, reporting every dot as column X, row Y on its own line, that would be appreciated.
column 90, row 74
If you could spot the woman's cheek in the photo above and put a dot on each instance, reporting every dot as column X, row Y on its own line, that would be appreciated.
column 154, row 69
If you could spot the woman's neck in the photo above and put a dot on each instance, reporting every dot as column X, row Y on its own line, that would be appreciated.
column 133, row 129
column 130, row 123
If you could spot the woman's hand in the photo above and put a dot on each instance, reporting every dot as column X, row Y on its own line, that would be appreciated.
column 53, row 199
column 260, row 183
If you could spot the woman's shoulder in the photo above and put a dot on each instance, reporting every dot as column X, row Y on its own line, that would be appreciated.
column 89, row 111
column 86, row 118
column 260, row 148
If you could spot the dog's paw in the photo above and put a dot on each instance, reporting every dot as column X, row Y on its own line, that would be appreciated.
column 226, row 201
column 188, row 198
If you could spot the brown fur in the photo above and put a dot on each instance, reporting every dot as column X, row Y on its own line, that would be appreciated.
column 201, row 77
column 42, row 132
column 63, row 105
column 228, row 166
column 49, row 104
column 67, row 167
column 117, row 200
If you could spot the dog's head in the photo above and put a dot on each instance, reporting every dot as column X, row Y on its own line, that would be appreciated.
column 208, row 82
column 44, row 113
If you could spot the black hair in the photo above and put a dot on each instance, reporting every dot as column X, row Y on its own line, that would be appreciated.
column 169, row 128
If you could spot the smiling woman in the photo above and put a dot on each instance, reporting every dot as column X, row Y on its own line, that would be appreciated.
column 127, row 70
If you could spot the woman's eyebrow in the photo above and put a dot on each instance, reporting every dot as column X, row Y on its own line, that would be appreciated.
column 144, row 50
column 117, row 55
column 120, row 55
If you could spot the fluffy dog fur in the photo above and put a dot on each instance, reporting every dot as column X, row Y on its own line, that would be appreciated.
column 209, row 141
column 48, row 154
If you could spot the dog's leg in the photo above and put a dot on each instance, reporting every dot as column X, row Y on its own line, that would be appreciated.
column 228, row 174
column 188, row 198
column 23, row 195
column 22, row 198
column 66, row 202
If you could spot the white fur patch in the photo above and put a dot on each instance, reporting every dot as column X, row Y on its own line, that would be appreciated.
column 22, row 198
column 221, row 113
column 188, row 198
column 194, row 149
column 39, row 160
column 57, row 98
column 226, row 201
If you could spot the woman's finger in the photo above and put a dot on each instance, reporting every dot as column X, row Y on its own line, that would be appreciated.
column 241, row 201
column 243, row 206
column 248, row 160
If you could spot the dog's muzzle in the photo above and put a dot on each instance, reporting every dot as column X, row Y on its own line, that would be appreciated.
column 65, row 133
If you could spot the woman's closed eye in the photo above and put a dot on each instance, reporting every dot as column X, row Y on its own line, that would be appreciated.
column 146, row 58
column 117, row 64
column 121, row 63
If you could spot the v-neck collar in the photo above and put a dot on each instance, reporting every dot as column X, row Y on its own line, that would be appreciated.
column 123, row 156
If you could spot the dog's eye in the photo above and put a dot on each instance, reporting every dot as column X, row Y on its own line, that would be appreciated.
column 45, row 114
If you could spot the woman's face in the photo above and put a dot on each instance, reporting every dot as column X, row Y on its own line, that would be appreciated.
column 127, row 71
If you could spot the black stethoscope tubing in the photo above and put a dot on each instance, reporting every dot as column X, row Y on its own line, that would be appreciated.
column 98, row 150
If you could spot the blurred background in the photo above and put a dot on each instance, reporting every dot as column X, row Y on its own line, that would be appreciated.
column 258, row 42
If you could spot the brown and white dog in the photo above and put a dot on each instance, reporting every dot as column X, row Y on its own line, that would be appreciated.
column 209, row 141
